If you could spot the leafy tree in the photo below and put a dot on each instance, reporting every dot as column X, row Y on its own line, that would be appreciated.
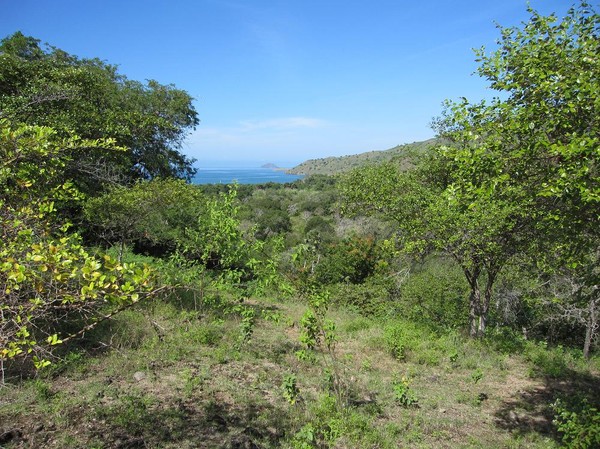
column 156, row 212
column 550, row 72
column 515, row 176
column 431, row 215
column 47, row 86
column 51, row 288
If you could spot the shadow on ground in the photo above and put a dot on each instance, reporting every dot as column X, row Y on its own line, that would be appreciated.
column 530, row 410
column 175, row 425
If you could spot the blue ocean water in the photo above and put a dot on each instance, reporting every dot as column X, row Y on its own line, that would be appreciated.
column 242, row 176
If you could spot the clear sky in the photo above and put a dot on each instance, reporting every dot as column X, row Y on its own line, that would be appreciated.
column 285, row 81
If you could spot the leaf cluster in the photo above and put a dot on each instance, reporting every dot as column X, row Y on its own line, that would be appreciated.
column 49, row 284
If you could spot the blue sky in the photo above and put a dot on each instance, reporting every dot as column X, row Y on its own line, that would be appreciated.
column 285, row 81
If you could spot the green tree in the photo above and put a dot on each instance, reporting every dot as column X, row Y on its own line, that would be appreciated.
column 480, row 233
column 156, row 212
column 47, row 86
column 515, row 176
column 51, row 288
column 550, row 72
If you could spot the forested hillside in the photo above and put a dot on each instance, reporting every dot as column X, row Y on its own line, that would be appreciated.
column 442, row 294
column 340, row 164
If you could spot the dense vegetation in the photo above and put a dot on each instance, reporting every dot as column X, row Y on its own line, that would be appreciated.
column 89, row 98
column 441, row 297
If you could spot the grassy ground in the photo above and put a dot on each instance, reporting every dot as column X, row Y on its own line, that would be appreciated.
column 171, row 377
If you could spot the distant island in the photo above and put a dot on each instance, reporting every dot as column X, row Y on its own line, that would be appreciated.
column 271, row 166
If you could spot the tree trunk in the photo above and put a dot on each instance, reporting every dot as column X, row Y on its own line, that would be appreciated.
column 121, row 249
column 590, row 328
column 482, row 324
column 474, row 310
column 474, row 300
column 487, row 300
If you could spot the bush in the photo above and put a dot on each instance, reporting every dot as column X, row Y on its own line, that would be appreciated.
column 506, row 340
column 352, row 260
column 580, row 427
column 319, row 229
column 436, row 293
column 273, row 222
column 415, row 342
column 332, row 426
column 546, row 362
column 401, row 338
column 368, row 299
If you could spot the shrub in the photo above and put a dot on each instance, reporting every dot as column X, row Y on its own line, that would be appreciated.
column 352, row 260
column 401, row 338
column 580, row 427
column 368, row 299
column 331, row 426
column 319, row 229
column 403, row 394
column 506, row 340
column 546, row 362
column 436, row 293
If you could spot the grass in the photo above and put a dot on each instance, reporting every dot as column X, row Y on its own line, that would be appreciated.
column 169, row 377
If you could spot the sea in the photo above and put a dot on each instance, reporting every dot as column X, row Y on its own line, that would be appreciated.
column 242, row 176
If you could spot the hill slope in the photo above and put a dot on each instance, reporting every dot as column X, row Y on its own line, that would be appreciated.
column 175, row 380
column 335, row 165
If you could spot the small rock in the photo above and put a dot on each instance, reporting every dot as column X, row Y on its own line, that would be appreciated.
column 139, row 376
column 242, row 442
column 273, row 431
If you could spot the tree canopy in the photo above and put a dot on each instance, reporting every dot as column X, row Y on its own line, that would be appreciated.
column 45, row 86
column 48, row 280
column 514, row 176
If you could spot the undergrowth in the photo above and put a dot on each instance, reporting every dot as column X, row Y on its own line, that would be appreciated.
column 172, row 373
